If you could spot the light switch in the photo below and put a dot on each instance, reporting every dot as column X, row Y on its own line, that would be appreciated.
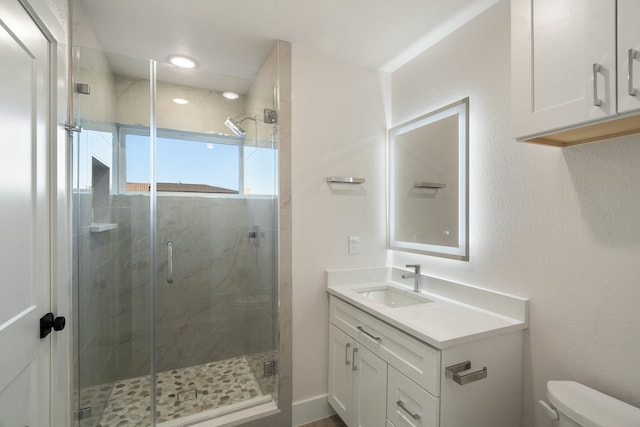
column 354, row 245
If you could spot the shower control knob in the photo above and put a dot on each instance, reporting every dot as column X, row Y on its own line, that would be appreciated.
column 48, row 322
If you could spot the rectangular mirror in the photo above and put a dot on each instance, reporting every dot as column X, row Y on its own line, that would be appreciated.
column 428, row 183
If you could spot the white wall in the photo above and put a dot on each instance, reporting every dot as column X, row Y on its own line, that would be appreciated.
column 338, row 130
column 558, row 226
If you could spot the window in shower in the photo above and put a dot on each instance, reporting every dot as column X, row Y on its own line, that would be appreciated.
column 185, row 162
column 197, row 163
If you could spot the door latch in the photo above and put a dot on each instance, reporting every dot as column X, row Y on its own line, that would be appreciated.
column 48, row 322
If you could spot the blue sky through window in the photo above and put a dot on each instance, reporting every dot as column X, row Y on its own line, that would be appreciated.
column 196, row 162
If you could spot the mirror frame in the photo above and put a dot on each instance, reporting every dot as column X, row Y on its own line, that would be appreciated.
column 461, row 251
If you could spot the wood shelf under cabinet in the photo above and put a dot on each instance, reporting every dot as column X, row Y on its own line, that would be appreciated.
column 616, row 127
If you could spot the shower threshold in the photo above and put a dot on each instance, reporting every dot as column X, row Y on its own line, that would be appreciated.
column 185, row 396
column 246, row 411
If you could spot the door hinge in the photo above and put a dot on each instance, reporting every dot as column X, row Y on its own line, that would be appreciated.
column 269, row 368
column 69, row 127
column 83, row 413
column 270, row 116
column 83, row 88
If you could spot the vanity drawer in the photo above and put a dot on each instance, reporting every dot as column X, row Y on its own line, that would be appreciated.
column 409, row 405
column 415, row 359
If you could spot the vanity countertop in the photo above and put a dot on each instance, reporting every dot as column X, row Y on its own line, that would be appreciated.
column 457, row 314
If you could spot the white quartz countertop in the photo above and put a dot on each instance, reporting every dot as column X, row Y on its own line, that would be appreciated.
column 457, row 314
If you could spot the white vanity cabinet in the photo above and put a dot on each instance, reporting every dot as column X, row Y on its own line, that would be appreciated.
column 389, row 378
column 570, row 79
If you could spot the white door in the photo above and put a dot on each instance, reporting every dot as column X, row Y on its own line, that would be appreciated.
column 24, row 219
column 628, row 55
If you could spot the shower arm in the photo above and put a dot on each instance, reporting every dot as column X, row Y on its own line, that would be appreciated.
column 248, row 118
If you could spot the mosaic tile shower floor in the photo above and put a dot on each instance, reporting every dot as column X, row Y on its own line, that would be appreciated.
column 181, row 392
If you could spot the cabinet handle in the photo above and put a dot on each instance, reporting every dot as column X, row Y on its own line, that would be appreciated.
column 346, row 354
column 596, row 69
column 361, row 329
column 633, row 54
column 454, row 370
column 353, row 357
column 402, row 406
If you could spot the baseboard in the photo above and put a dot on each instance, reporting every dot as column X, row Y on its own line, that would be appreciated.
column 309, row 410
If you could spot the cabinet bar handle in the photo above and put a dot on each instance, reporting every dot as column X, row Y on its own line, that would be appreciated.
column 346, row 354
column 353, row 357
column 361, row 329
column 169, row 261
column 633, row 54
column 402, row 406
column 596, row 69
column 453, row 372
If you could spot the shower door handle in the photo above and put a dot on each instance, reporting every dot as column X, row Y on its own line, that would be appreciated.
column 169, row 261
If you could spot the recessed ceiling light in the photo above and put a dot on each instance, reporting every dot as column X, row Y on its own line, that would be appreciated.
column 182, row 62
column 230, row 95
column 180, row 101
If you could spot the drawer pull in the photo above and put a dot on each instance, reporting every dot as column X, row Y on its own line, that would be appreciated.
column 453, row 373
column 361, row 329
column 346, row 354
column 402, row 406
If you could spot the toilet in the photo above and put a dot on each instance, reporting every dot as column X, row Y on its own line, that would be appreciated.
column 576, row 405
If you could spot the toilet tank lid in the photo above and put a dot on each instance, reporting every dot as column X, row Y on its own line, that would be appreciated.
column 589, row 407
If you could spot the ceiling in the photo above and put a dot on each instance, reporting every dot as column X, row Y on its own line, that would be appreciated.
column 233, row 37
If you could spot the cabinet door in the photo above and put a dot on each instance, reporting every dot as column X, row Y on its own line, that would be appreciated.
column 628, row 55
column 563, row 63
column 370, row 389
column 341, row 348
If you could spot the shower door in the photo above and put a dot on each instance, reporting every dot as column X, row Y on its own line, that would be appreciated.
column 175, row 244
column 216, row 246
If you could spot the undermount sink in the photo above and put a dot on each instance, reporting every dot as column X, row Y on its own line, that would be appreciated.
column 392, row 297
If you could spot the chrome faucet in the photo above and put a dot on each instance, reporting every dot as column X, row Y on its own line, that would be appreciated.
column 415, row 275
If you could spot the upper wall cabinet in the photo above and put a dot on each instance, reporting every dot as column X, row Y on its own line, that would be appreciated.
column 571, row 83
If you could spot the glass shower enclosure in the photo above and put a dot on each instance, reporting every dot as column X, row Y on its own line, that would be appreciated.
column 175, row 243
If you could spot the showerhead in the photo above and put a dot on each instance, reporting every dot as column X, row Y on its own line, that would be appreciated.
column 235, row 125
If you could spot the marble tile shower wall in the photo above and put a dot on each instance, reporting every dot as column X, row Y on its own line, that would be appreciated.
column 221, row 302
